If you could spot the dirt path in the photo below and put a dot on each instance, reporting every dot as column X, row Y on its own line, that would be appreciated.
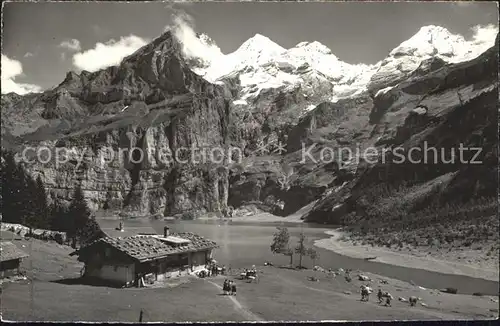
column 247, row 313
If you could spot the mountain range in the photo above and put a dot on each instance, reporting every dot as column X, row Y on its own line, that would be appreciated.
column 181, row 91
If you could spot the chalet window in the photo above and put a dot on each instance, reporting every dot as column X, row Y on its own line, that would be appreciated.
column 107, row 252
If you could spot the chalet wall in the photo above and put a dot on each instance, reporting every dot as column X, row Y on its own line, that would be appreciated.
column 114, row 273
column 198, row 260
column 101, row 264
column 9, row 273
column 173, row 273
column 9, row 268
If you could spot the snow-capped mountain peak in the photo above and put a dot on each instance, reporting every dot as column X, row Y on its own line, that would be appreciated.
column 314, row 46
column 259, row 42
column 206, row 39
column 260, row 64
column 431, row 40
column 257, row 50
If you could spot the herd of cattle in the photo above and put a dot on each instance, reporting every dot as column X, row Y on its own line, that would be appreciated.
column 382, row 296
column 385, row 296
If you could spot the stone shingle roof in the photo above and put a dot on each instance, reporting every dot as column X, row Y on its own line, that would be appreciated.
column 9, row 251
column 144, row 248
column 128, row 231
column 110, row 228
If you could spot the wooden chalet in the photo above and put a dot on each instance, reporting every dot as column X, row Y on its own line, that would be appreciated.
column 10, row 260
column 133, row 259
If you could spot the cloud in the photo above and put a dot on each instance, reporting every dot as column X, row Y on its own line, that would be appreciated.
column 108, row 54
column 10, row 70
column 73, row 45
column 484, row 34
column 28, row 54
column 193, row 46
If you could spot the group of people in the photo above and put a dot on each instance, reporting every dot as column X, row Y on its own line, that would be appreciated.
column 382, row 296
column 249, row 274
column 212, row 269
column 216, row 269
column 229, row 287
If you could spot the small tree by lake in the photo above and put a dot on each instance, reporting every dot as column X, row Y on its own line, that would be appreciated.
column 313, row 254
column 301, row 249
column 281, row 243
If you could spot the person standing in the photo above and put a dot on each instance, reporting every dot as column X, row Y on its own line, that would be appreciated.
column 233, row 288
column 82, row 271
column 380, row 296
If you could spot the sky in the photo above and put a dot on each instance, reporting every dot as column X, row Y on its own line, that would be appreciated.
column 41, row 42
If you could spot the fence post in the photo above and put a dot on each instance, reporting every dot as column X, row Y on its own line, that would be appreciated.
column 140, row 316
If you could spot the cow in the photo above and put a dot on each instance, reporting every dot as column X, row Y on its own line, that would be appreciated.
column 388, row 299
column 413, row 301
column 363, row 278
column 365, row 292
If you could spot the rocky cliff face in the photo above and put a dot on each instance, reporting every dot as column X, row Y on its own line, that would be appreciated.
column 153, row 102
column 288, row 111
column 442, row 109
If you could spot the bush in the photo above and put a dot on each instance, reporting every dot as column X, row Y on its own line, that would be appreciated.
column 450, row 290
column 187, row 216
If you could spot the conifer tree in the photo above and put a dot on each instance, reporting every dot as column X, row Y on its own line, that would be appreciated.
column 12, row 187
column 78, row 215
column 59, row 218
column 90, row 232
column 30, row 214
column 23, row 200
column 17, row 197
column 40, row 206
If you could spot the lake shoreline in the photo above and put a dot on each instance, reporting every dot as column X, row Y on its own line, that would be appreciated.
column 264, row 217
column 339, row 242
column 440, row 262
column 260, row 218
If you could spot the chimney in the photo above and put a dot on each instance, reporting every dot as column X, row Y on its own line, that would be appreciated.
column 121, row 226
column 166, row 231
